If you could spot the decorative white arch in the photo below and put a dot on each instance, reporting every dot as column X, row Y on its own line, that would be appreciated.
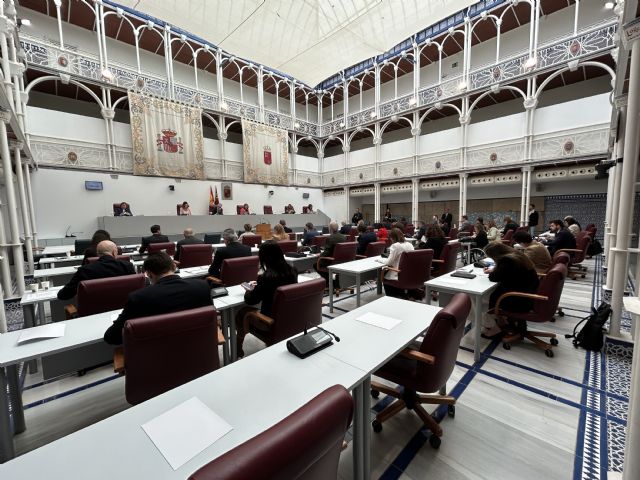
column 390, row 121
column 489, row 92
column 213, row 120
column 352, row 134
column 71, row 81
column 121, row 99
column 588, row 63
column 226, row 128
column 424, row 115
column 312, row 140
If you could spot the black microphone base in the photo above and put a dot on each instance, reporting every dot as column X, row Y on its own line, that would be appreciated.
column 309, row 343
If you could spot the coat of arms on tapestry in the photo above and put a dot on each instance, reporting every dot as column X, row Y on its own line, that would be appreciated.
column 266, row 154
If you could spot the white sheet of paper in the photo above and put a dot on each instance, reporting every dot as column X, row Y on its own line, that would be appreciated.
column 379, row 320
column 456, row 280
column 50, row 330
column 186, row 430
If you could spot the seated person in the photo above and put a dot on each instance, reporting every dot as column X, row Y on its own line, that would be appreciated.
column 244, row 210
column 123, row 210
column 106, row 266
column 247, row 230
column 572, row 225
column 382, row 232
column 535, row 251
column 155, row 237
column 167, row 293
column 309, row 233
column 284, row 225
column 435, row 240
column 493, row 233
column 421, row 231
column 345, row 229
column 185, row 209
column 480, row 236
column 465, row 224
column 279, row 233
column 276, row 273
column 310, row 209
column 92, row 250
column 513, row 272
column 364, row 238
column 562, row 239
column 188, row 239
column 232, row 249
column 334, row 238
column 289, row 210
column 215, row 209
column 398, row 246
column 508, row 225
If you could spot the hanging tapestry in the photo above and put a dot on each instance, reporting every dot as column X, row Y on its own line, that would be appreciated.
column 266, row 154
column 167, row 138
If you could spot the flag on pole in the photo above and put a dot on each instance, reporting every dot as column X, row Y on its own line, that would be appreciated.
column 216, row 200
column 211, row 199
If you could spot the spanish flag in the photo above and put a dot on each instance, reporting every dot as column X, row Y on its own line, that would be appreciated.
column 211, row 199
column 216, row 200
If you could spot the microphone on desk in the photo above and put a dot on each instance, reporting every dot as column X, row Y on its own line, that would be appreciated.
column 307, row 344
column 66, row 233
column 337, row 338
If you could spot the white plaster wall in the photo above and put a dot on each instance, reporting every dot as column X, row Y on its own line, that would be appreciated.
column 496, row 130
column 583, row 112
column 335, row 206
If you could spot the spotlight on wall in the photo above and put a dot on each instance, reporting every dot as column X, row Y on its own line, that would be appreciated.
column 462, row 86
column 297, row 124
column 341, row 124
column 172, row 188
column 24, row 22
column 412, row 101
column 609, row 5
column 602, row 169
column 373, row 114
column 107, row 74
column 531, row 62
column 224, row 107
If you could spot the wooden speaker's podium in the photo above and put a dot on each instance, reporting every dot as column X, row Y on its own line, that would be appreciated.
column 264, row 230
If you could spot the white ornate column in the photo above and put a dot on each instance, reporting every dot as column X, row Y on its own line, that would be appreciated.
column 528, row 199
column 414, row 201
column 632, row 440
column 6, row 29
column 415, row 132
column 377, row 216
column 16, row 246
column 627, row 192
column 347, row 204
column 32, row 208
column 462, row 199
column 222, row 142
column 24, row 205
column 615, row 194
column 524, row 199
column 108, row 114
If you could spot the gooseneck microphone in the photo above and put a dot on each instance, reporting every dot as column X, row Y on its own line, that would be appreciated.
column 337, row 338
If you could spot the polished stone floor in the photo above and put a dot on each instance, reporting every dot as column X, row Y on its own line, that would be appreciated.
column 519, row 414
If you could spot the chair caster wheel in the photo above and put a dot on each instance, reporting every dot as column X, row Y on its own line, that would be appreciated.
column 561, row 313
column 375, row 393
column 451, row 411
column 506, row 346
column 584, row 276
column 377, row 426
column 434, row 441
column 549, row 353
column 554, row 341
column 81, row 373
column 552, row 319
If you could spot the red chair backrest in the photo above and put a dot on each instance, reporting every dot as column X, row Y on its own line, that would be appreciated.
column 235, row 271
column 508, row 235
column 288, row 245
column 178, row 208
column 267, row 209
column 561, row 257
column 238, row 208
column 582, row 244
column 453, row 233
column 442, row 341
column 449, row 255
column 196, row 255
column 375, row 248
column 165, row 351
column 305, row 209
column 344, row 252
column 251, row 240
column 295, row 306
column 353, row 231
column 319, row 240
column 522, row 229
column 124, row 258
column 169, row 247
column 292, row 236
column 415, row 269
column 305, row 445
column 409, row 229
column 550, row 286
column 105, row 294
column 351, row 237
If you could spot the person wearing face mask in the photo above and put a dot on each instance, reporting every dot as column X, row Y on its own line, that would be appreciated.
column 168, row 293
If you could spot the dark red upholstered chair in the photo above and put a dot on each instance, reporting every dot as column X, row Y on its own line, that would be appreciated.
column 561, row 257
column 305, row 445
column 507, row 238
column 124, row 258
column 305, row 209
column 447, row 261
column 353, row 231
column 103, row 294
column 342, row 253
column 162, row 352
column 522, row 229
column 267, row 209
column 292, row 236
column 578, row 255
column 169, row 247
column 351, row 237
column 294, row 307
column 409, row 230
column 288, row 245
column 238, row 208
column 319, row 240
column 426, row 368
column 178, row 208
column 235, row 271
column 374, row 249
column 251, row 240
column 453, row 233
column 545, row 305
column 195, row 255
column 413, row 270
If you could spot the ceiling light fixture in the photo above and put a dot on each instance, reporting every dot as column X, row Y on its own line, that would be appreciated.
column 341, row 124
column 531, row 62
column 462, row 86
column 412, row 101
column 373, row 114
column 609, row 5
column 297, row 125
column 107, row 74
column 224, row 107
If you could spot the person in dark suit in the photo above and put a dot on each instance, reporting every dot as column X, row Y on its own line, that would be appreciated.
column 345, row 229
column 447, row 218
column 284, row 225
column 356, row 217
column 167, row 293
column 232, row 249
column 188, row 239
column 92, row 250
column 534, row 218
column 508, row 225
column 435, row 240
column 106, row 266
column 155, row 237
column 309, row 233
column 124, row 210
column 563, row 237
column 334, row 238
column 364, row 238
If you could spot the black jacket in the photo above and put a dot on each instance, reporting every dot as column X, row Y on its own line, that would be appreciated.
column 233, row 250
column 265, row 290
column 345, row 229
column 509, row 226
column 365, row 239
column 533, row 218
column 155, row 238
column 356, row 218
column 436, row 244
column 186, row 241
column 287, row 229
column 332, row 241
column 308, row 236
column 447, row 218
column 511, row 277
column 170, row 294
column 563, row 239
column 106, row 266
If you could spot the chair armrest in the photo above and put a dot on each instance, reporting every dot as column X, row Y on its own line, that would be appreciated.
column 571, row 250
column 391, row 269
column 268, row 321
column 437, row 260
column 221, row 339
column 323, row 260
column 361, row 256
column 215, row 280
column 532, row 296
column 419, row 356
column 70, row 311
column 118, row 360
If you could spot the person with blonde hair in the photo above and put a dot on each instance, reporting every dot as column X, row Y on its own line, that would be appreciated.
column 279, row 233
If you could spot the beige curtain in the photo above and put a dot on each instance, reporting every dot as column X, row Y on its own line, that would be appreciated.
column 167, row 138
column 266, row 154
